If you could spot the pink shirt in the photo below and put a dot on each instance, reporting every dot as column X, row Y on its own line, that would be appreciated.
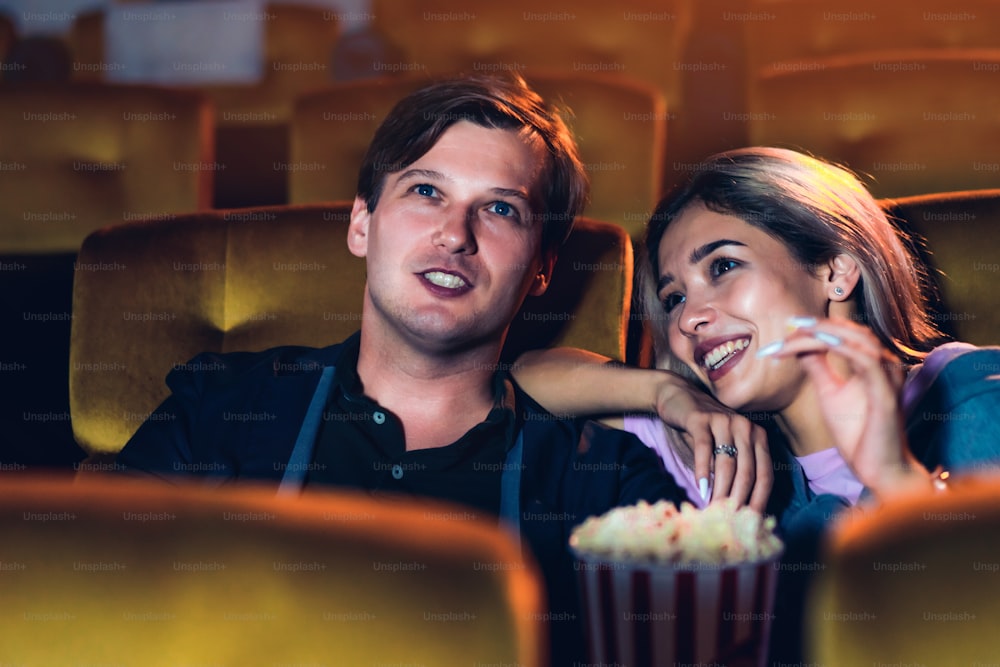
column 828, row 472
column 657, row 437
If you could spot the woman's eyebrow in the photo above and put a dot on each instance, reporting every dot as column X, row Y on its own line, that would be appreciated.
column 698, row 254
column 704, row 251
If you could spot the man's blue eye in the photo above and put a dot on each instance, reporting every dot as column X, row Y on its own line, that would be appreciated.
column 425, row 190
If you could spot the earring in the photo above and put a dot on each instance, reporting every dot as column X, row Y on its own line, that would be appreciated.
column 839, row 291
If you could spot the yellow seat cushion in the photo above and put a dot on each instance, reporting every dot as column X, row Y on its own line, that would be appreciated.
column 913, row 582
column 117, row 571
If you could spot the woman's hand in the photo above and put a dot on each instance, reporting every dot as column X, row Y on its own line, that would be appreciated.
column 858, row 383
column 704, row 425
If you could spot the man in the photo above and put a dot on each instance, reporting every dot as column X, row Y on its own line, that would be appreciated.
column 465, row 194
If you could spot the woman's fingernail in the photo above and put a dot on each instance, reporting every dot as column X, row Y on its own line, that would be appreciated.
column 800, row 322
column 770, row 348
column 824, row 337
column 703, row 488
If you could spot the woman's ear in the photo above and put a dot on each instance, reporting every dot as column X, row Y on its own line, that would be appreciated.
column 841, row 278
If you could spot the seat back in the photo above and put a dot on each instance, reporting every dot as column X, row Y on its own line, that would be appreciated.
column 806, row 30
column 620, row 126
column 150, row 574
column 641, row 39
column 963, row 249
column 915, row 121
column 912, row 582
column 84, row 155
column 149, row 296
column 331, row 129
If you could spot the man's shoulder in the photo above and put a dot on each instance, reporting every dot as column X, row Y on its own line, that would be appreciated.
column 215, row 369
column 574, row 436
column 531, row 412
column 596, row 466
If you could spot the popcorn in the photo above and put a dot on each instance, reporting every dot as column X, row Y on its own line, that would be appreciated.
column 720, row 534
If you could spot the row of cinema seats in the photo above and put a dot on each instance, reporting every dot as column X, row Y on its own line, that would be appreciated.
column 736, row 72
column 150, row 295
column 913, row 122
column 78, row 156
column 125, row 573
column 88, row 155
column 128, row 574
column 902, row 92
column 106, row 570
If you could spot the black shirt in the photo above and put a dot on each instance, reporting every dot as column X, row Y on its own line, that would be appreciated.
column 362, row 445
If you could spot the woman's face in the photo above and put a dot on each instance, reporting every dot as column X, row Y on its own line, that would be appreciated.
column 728, row 289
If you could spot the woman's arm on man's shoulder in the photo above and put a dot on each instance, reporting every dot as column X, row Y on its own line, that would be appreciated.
column 577, row 382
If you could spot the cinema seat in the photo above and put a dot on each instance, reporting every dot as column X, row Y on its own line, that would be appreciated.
column 108, row 571
column 963, row 249
column 150, row 295
column 804, row 30
column 914, row 121
column 640, row 39
column 84, row 155
column 912, row 582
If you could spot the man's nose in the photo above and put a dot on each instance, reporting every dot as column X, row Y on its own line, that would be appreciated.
column 455, row 233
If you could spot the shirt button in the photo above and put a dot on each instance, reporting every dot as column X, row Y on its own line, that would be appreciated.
column 397, row 471
column 379, row 417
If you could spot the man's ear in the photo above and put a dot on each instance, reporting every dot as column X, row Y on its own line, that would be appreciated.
column 842, row 274
column 357, row 230
column 544, row 275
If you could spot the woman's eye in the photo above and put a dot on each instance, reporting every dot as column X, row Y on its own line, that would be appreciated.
column 503, row 208
column 425, row 190
column 671, row 301
column 723, row 265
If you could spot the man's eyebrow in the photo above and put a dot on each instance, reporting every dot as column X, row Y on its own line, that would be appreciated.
column 421, row 173
column 432, row 175
column 698, row 254
column 507, row 192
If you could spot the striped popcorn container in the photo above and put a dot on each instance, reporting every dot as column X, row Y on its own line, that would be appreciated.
column 672, row 615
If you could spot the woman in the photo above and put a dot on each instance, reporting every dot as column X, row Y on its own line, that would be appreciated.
column 778, row 283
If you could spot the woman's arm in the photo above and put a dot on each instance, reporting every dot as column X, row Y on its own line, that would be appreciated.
column 577, row 382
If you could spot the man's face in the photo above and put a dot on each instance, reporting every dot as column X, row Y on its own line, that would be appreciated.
column 452, row 247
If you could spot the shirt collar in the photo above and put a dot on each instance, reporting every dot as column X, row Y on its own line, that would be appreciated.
column 348, row 383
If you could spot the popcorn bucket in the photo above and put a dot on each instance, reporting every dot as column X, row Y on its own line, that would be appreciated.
column 655, row 615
